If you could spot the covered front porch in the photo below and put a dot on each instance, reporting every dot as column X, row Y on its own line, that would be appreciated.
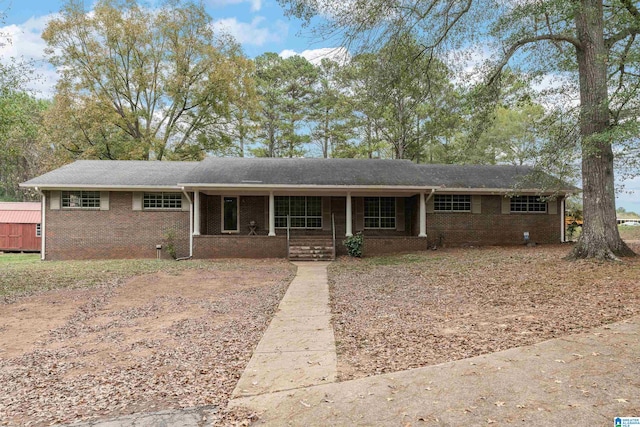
column 270, row 222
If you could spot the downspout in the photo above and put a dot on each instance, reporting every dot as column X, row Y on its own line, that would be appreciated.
column 433, row 190
column 43, row 227
column 563, row 237
column 190, row 226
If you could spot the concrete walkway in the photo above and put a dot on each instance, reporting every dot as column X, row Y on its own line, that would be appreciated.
column 586, row 379
column 298, row 348
column 583, row 379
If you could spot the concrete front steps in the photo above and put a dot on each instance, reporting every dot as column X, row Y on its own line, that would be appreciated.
column 310, row 248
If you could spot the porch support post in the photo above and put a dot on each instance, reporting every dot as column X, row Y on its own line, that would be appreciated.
column 349, row 230
column 423, row 216
column 272, row 215
column 196, row 213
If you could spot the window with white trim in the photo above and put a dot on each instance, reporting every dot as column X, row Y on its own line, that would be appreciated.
column 162, row 201
column 452, row 203
column 304, row 211
column 80, row 199
column 528, row 204
column 38, row 230
column 379, row 212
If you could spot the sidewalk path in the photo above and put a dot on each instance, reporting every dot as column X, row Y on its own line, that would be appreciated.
column 298, row 348
column 585, row 379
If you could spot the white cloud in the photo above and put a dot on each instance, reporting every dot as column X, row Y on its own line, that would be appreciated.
column 254, row 32
column 315, row 56
column 25, row 43
column 256, row 5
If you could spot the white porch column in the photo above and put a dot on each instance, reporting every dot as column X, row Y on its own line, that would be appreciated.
column 423, row 216
column 196, row 213
column 272, row 214
column 349, row 230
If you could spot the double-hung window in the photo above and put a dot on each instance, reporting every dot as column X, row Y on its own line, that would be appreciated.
column 452, row 203
column 304, row 211
column 162, row 201
column 528, row 204
column 38, row 230
column 379, row 212
column 80, row 199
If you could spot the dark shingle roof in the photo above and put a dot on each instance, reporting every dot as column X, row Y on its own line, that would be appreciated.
column 279, row 171
column 292, row 172
column 114, row 173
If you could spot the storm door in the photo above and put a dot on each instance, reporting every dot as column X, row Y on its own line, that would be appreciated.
column 230, row 215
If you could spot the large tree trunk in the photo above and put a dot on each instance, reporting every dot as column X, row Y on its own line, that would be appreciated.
column 600, row 238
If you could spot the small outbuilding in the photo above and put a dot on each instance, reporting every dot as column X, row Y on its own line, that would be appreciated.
column 20, row 226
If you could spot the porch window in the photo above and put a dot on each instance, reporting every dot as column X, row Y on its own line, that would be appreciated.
column 379, row 212
column 305, row 211
column 162, row 201
column 452, row 203
column 80, row 199
column 528, row 204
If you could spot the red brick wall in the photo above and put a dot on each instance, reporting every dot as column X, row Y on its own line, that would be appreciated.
column 375, row 245
column 119, row 232
column 239, row 246
column 491, row 227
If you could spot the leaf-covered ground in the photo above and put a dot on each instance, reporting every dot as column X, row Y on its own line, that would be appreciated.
column 406, row 311
column 178, row 337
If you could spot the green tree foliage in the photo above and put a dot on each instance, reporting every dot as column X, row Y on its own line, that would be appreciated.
column 330, row 110
column 22, row 151
column 286, row 89
column 137, row 83
column 593, row 43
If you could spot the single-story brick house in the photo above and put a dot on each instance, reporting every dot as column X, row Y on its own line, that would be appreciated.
column 20, row 227
column 263, row 207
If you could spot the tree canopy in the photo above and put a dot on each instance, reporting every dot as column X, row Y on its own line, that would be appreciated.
column 592, row 44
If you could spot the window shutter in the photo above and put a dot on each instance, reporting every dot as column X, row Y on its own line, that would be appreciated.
column 185, row 202
column 104, row 200
column 326, row 213
column 476, row 204
column 359, row 205
column 430, row 208
column 506, row 205
column 136, row 201
column 399, row 213
column 552, row 207
column 54, row 200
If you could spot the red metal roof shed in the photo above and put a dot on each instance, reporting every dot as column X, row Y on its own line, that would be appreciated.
column 20, row 226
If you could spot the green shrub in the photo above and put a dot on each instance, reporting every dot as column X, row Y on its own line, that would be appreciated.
column 170, row 243
column 354, row 245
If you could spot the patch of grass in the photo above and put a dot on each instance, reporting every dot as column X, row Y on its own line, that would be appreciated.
column 22, row 274
column 628, row 232
column 6, row 259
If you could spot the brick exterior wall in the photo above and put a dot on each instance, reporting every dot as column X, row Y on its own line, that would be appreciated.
column 491, row 226
column 119, row 232
column 376, row 245
column 239, row 246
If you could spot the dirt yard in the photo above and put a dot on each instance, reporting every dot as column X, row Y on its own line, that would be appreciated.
column 158, row 341
column 401, row 312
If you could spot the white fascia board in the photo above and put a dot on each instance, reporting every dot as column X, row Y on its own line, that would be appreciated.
column 104, row 187
column 313, row 187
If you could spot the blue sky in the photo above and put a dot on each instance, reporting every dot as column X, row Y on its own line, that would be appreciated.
column 259, row 25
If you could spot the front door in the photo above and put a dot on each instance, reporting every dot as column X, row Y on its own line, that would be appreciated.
column 230, row 214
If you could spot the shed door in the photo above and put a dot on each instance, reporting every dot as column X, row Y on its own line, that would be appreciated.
column 10, row 236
